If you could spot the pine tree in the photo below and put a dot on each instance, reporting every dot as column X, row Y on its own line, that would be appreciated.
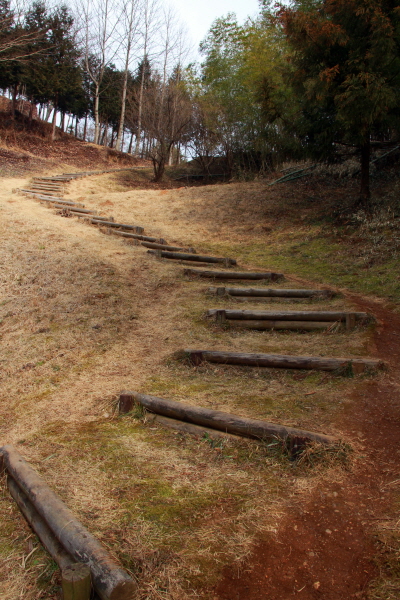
column 347, row 59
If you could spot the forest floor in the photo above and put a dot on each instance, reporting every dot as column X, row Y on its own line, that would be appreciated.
column 85, row 315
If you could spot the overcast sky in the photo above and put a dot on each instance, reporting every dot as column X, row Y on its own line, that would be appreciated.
column 198, row 15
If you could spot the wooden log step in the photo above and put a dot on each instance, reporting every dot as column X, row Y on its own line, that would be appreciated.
column 233, row 275
column 53, row 200
column 193, row 257
column 277, row 325
column 158, row 246
column 46, row 188
column 205, row 417
column 134, row 228
column 192, row 429
column 51, row 179
column 42, row 192
column 109, row 579
column 280, row 361
column 74, row 209
column 301, row 315
column 135, row 236
column 48, row 184
column 39, row 526
column 270, row 292
column 97, row 217
column 60, row 201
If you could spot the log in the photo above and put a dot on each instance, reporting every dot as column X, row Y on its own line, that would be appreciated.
column 281, row 361
column 158, row 246
column 276, row 325
column 195, row 257
column 39, row 526
column 51, row 179
column 109, row 579
column 228, row 423
column 76, row 583
column 97, row 217
column 192, row 429
column 301, row 315
column 268, row 292
column 134, row 228
column 135, row 236
column 45, row 190
column 48, row 184
column 54, row 187
column 233, row 275
column 75, row 209
column 42, row 193
column 46, row 198
column 64, row 203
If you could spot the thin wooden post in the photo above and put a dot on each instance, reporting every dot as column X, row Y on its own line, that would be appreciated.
column 125, row 403
column 76, row 582
column 220, row 317
column 350, row 321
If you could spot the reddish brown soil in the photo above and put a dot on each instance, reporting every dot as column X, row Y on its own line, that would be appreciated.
column 325, row 547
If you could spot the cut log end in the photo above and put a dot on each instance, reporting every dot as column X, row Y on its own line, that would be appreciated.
column 126, row 590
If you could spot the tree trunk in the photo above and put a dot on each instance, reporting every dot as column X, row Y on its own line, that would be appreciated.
column 130, row 144
column 96, row 114
column 31, row 113
column 14, row 100
column 159, row 168
column 48, row 112
column 140, row 109
column 123, row 107
column 85, row 128
column 53, row 131
column 365, row 193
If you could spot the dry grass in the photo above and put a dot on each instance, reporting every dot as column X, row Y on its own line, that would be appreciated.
column 85, row 315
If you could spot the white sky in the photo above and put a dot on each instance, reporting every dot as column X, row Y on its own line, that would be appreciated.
column 198, row 15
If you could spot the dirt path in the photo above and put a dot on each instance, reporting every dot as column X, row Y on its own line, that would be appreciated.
column 324, row 547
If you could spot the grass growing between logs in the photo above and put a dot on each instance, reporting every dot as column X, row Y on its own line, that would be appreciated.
column 320, row 260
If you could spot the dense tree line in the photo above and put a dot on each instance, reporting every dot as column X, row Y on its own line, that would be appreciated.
column 299, row 81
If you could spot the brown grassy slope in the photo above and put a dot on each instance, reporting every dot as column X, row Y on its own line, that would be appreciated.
column 26, row 148
column 84, row 316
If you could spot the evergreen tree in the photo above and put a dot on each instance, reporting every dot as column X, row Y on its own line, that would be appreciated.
column 347, row 59
column 57, row 76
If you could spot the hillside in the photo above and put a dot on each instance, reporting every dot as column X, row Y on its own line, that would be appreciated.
column 26, row 148
column 85, row 314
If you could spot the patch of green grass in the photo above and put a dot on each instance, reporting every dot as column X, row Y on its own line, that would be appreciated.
column 319, row 258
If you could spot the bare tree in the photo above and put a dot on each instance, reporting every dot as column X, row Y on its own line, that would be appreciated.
column 166, row 122
column 130, row 19
column 100, row 19
column 150, row 25
column 17, row 42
